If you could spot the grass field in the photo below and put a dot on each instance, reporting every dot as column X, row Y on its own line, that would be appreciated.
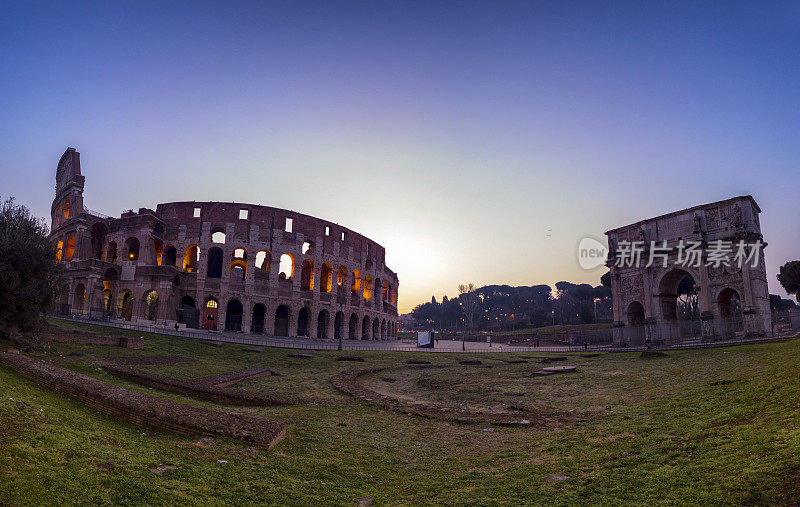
column 717, row 426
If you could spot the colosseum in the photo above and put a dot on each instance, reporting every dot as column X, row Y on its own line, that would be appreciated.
column 220, row 266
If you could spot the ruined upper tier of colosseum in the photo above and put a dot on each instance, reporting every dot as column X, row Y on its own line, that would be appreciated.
column 220, row 266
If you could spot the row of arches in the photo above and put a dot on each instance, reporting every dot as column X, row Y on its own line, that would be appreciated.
column 238, row 265
column 679, row 299
column 283, row 322
column 323, row 279
column 63, row 212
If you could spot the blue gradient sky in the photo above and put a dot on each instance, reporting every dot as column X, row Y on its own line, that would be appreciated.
column 477, row 141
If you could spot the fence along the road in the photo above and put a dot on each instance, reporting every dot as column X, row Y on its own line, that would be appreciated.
column 675, row 334
column 295, row 343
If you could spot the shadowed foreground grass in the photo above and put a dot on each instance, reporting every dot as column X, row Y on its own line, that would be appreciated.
column 710, row 426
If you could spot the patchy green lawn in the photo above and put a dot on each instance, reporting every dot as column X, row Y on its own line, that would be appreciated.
column 715, row 426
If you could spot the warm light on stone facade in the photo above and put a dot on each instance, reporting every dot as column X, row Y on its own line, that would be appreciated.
column 220, row 266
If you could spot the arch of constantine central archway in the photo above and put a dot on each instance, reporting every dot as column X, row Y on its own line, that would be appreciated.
column 713, row 252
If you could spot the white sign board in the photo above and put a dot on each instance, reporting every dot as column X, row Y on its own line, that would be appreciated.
column 424, row 338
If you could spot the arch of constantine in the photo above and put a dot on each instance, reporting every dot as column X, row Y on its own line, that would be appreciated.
column 663, row 299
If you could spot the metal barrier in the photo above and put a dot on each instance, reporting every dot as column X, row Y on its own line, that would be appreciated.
column 596, row 340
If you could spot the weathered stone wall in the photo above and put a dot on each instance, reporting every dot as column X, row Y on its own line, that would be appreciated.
column 142, row 409
column 118, row 262
column 645, row 295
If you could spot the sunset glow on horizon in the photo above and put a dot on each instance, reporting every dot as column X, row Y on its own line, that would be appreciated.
column 477, row 142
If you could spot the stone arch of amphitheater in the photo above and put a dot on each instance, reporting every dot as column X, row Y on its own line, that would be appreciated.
column 220, row 266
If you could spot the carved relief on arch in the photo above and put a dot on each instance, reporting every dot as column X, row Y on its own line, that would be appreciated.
column 633, row 284
column 733, row 269
column 716, row 271
column 712, row 217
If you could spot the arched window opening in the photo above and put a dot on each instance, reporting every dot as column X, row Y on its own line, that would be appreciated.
column 233, row 315
column 730, row 308
column 210, row 312
column 238, row 269
column 170, row 256
column 188, row 314
column 126, row 305
column 635, row 314
column 307, row 275
column 322, row 324
column 159, row 253
column 308, row 248
column 729, row 303
column 365, row 328
column 341, row 277
column 132, row 249
column 99, row 231
column 326, row 278
column 65, row 208
column 214, row 268
column 302, row 322
column 240, row 253
column 376, row 330
column 286, row 267
column 257, row 323
column 678, row 296
column 282, row 321
column 263, row 259
column 191, row 258
column 110, row 275
column 367, row 288
column 385, row 292
column 262, row 265
column 151, row 305
column 69, row 251
column 59, row 250
column 79, row 298
column 218, row 237
column 356, row 286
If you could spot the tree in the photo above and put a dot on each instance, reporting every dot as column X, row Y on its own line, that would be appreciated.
column 469, row 302
column 605, row 280
column 469, row 305
column 587, row 317
column 29, row 273
column 789, row 277
column 539, row 317
column 777, row 303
